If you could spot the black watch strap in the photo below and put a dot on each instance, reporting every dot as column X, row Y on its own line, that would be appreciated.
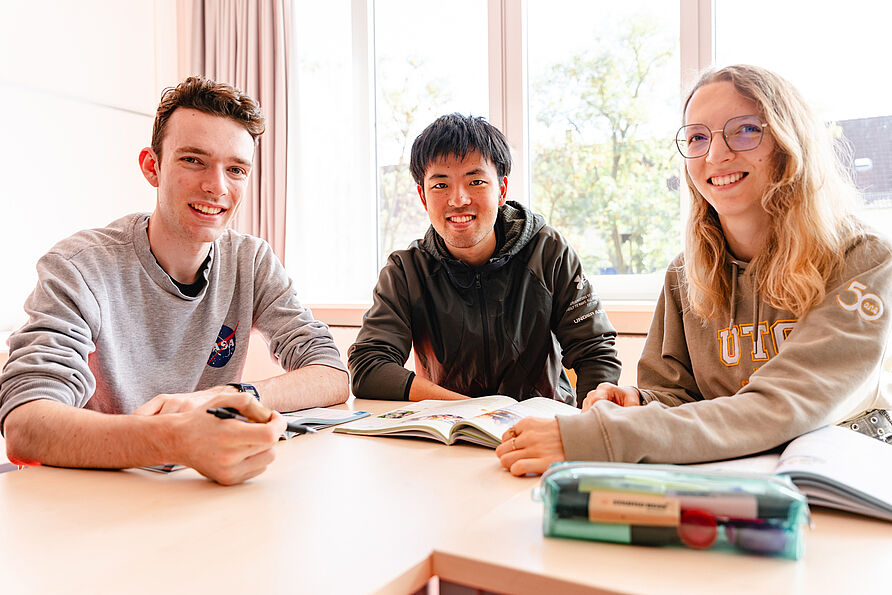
column 246, row 388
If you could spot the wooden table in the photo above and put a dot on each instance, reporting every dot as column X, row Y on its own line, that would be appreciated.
column 350, row 514
column 333, row 514
column 505, row 552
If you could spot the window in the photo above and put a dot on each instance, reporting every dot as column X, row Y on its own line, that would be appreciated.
column 368, row 78
column 604, row 94
column 331, row 183
column 588, row 93
column 430, row 60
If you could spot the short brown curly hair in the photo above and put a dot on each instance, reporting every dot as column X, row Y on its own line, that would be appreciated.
column 210, row 97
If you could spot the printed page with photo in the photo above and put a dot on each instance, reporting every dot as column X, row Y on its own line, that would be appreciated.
column 426, row 419
column 487, row 429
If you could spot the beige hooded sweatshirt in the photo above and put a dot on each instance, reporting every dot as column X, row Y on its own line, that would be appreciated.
column 728, row 388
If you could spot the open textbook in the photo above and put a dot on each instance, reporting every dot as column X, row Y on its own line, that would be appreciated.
column 834, row 467
column 481, row 420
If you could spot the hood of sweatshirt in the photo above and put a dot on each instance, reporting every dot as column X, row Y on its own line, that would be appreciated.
column 515, row 226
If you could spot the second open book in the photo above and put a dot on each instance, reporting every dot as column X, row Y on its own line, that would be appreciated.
column 482, row 420
column 834, row 467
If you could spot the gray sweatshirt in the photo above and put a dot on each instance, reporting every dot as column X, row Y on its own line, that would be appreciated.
column 737, row 386
column 108, row 330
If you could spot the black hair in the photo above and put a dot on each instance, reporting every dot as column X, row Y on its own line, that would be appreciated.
column 457, row 135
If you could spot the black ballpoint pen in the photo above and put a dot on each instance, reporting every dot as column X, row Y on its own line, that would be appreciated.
column 231, row 413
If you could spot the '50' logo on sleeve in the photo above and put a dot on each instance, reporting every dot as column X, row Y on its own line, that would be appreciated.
column 869, row 306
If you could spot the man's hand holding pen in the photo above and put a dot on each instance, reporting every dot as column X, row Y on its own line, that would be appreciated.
column 229, row 453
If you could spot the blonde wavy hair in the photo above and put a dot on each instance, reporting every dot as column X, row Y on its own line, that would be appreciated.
column 809, row 202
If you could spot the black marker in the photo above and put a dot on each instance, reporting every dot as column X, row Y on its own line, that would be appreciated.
column 232, row 413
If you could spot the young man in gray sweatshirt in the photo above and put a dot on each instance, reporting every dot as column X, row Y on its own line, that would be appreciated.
column 136, row 329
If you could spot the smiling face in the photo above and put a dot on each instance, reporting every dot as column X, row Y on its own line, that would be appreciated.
column 462, row 198
column 201, row 179
column 732, row 182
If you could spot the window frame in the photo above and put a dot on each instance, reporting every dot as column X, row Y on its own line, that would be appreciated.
column 509, row 111
column 509, row 99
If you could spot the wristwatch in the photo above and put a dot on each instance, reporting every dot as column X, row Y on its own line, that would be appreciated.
column 246, row 388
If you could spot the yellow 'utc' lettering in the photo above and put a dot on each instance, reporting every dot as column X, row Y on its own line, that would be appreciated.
column 729, row 340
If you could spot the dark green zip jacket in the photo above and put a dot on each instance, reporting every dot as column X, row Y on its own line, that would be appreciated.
column 507, row 327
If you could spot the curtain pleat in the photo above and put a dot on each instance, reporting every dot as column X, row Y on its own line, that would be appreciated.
column 244, row 43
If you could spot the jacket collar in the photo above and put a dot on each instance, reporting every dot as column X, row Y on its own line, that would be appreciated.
column 515, row 226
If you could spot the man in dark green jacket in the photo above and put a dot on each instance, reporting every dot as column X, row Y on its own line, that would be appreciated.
column 493, row 300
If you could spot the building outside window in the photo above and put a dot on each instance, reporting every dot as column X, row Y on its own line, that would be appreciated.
column 830, row 52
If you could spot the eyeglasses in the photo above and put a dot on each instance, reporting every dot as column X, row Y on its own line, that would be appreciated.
column 743, row 133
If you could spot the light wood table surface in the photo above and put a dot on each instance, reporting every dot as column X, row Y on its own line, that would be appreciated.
column 334, row 513
column 844, row 554
column 351, row 514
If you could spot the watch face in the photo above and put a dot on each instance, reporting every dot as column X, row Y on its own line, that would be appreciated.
column 223, row 348
column 246, row 388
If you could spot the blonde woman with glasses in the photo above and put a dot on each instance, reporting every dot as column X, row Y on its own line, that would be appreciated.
column 773, row 322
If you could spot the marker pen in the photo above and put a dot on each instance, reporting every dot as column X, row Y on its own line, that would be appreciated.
column 232, row 413
column 615, row 533
column 604, row 505
column 740, row 505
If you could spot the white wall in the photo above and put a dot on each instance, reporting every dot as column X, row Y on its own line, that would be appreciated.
column 79, row 84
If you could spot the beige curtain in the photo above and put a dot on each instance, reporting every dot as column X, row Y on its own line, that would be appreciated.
column 245, row 43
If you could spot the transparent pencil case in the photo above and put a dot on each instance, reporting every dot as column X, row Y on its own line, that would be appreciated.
column 663, row 505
